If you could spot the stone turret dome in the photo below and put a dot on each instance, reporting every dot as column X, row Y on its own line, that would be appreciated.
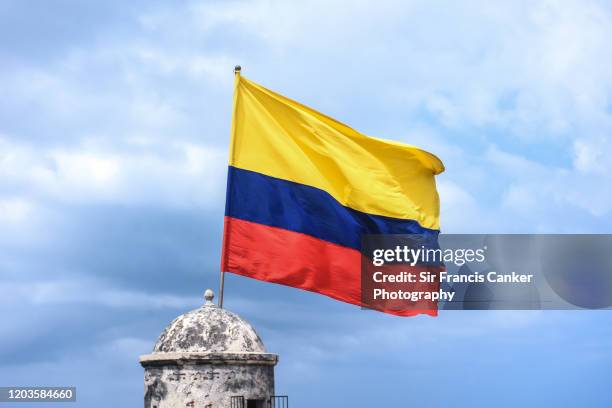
column 209, row 357
column 209, row 329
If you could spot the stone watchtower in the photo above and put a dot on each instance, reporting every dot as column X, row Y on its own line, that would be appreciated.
column 210, row 358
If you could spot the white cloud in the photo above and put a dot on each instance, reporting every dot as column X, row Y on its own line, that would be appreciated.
column 14, row 210
column 193, row 176
column 516, row 65
column 592, row 156
column 541, row 193
column 88, row 292
column 494, row 71
column 85, row 169
column 460, row 212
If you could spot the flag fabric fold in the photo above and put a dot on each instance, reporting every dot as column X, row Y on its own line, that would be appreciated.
column 303, row 188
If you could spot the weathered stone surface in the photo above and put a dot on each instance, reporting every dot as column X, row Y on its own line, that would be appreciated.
column 209, row 329
column 205, row 357
column 207, row 386
column 182, row 358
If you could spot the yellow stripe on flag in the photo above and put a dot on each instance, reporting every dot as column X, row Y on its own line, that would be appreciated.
column 281, row 138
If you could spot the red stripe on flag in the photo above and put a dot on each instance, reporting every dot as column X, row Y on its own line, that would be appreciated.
column 294, row 259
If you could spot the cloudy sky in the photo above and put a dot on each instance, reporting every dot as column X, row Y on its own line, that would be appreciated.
column 114, row 124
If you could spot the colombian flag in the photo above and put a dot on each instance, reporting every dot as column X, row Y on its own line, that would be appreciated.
column 303, row 188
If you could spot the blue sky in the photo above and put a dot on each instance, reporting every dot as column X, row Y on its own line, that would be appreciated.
column 114, row 124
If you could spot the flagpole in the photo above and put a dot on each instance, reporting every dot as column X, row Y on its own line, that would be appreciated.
column 237, row 69
column 221, row 284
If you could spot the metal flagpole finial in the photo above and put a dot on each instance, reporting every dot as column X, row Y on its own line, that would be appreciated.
column 237, row 69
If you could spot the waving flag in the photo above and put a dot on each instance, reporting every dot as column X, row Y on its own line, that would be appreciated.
column 303, row 188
